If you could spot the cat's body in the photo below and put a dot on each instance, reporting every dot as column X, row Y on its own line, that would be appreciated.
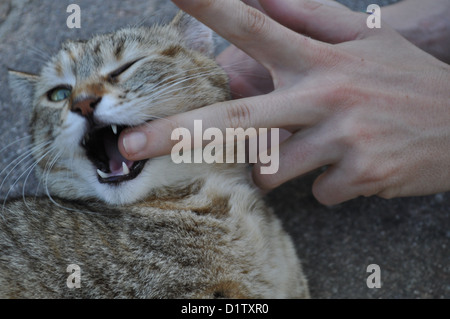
column 210, row 244
column 151, row 229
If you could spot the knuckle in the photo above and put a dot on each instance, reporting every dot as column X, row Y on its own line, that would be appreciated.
column 356, row 131
column 238, row 115
column 254, row 22
column 364, row 172
column 370, row 175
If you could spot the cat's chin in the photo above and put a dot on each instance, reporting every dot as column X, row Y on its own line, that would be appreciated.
column 123, row 193
column 154, row 175
column 160, row 175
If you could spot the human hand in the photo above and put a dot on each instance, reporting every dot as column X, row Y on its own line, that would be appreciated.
column 371, row 107
column 424, row 23
column 248, row 77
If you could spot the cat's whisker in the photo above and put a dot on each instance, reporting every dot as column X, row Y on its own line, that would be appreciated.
column 47, row 171
column 30, row 170
column 162, row 100
column 180, row 76
column 34, row 165
column 25, row 160
column 139, row 23
column 19, row 140
column 20, row 159
column 248, row 74
column 39, row 54
column 165, row 89
column 21, row 175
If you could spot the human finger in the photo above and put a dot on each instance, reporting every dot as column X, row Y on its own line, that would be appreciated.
column 265, row 111
column 301, row 153
column 254, row 32
column 324, row 20
column 335, row 186
column 254, row 3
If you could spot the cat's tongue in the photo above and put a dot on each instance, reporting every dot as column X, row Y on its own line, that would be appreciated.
column 118, row 165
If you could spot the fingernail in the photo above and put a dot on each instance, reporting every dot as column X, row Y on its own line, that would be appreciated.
column 134, row 142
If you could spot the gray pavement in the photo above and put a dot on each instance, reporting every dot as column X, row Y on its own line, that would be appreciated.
column 408, row 238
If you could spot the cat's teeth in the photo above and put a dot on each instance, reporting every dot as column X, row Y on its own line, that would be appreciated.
column 102, row 174
column 125, row 169
column 114, row 129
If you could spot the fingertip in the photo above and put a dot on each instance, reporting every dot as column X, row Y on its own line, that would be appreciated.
column 133, row 144
column 146, row 141
column 265, row 182
column 323, row 192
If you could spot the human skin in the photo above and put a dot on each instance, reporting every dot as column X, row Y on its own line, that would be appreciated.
column 365, row 103
column 424, row 23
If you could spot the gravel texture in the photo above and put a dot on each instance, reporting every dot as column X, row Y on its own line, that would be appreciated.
column 408, row 238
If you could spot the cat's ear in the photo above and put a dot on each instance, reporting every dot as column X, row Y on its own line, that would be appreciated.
column 196, row 35
column 22, row 85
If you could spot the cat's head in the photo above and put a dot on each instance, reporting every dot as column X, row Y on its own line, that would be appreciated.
column 91, row 90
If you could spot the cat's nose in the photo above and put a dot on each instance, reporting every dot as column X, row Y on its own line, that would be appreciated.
column 85, row 106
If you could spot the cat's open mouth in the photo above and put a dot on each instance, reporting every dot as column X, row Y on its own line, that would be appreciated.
column 101, row 148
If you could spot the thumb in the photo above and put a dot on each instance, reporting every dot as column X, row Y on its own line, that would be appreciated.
column 323, row 20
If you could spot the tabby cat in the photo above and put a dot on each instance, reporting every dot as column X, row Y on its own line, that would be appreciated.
column 144, row 229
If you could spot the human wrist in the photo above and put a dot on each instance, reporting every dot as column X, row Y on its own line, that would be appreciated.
column 424, row 23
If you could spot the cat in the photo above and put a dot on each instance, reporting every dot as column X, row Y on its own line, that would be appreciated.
column 143, row 229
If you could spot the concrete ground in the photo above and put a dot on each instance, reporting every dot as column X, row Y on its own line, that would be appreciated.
column 408, row 238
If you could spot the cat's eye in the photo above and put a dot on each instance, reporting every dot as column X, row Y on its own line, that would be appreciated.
column 114, row 74
column 59, row 94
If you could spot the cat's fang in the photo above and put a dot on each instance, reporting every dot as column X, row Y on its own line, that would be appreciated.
column 114, row 129
column 125, row 169
column 103, row 174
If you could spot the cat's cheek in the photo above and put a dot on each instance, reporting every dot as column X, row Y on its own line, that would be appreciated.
column 71, row 133
column 109, row 110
